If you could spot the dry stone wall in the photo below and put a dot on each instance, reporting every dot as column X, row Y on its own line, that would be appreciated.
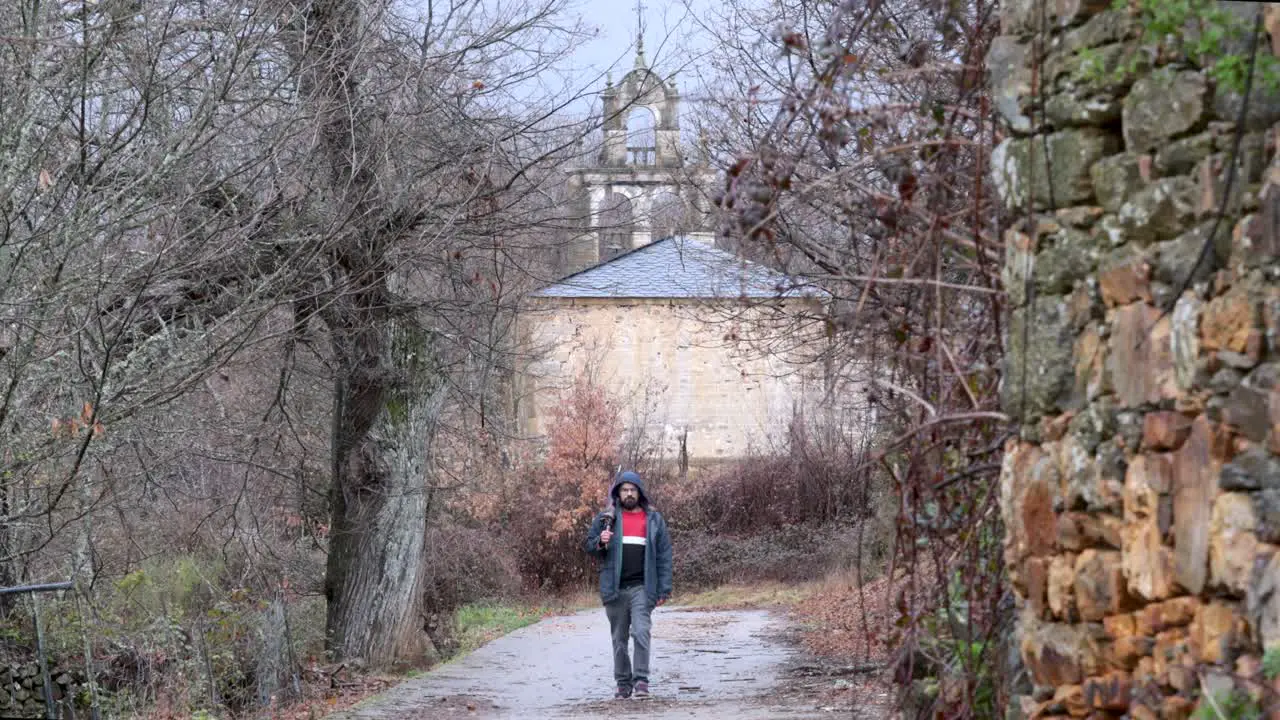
column 22, row 691
column 1142, row 497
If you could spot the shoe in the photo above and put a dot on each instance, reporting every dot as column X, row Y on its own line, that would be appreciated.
column 622, row 693
column 642, row 689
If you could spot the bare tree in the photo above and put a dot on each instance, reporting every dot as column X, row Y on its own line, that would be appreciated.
column 855, row 139
column 187, row 186
column 412, row 159
column 129, row 253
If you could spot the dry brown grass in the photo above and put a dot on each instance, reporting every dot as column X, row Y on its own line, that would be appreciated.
column 837, row 619
column 747, row 596
column 858, row 625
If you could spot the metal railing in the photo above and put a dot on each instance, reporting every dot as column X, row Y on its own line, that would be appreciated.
column 50, row 710
column 642, row 155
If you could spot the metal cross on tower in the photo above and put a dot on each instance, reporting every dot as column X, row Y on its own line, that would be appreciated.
column 640, row 8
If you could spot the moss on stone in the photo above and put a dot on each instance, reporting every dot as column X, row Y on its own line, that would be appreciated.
column 1182, row 156
column 1021, row 167
column 1038, row 364
column 1159, row 211
column 1165, row 104
column 1069, row 258
column 1115, row 179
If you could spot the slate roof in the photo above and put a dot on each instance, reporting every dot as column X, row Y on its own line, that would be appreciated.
column 676, row 267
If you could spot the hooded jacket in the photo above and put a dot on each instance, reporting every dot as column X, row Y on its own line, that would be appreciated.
column 657, row 548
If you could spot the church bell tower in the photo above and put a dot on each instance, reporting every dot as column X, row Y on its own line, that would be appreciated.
column 638, row 187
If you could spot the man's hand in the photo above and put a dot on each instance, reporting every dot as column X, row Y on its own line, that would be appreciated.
column 605, row 537
column 660, row 601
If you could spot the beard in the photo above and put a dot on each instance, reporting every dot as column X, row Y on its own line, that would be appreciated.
column 630, row 503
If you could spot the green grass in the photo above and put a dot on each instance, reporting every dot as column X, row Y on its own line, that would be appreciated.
column 479, row 623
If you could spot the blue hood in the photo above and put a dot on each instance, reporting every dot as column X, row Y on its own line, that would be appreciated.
column 634, row 479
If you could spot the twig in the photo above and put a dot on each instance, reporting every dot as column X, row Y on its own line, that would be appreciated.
column 898, row 388
column 1213, row 703
column 946, row 419
column 973, row 399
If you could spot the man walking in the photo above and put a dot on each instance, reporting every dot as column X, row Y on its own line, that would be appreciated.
column 635, row 576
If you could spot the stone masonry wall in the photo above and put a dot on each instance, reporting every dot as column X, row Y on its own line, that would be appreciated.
column 1142, row 498
column 672, row 364
column 22, row 691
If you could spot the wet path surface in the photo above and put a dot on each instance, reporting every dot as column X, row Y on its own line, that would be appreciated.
column 705, row 664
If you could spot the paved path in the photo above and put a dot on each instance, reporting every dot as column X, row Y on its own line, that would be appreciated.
column 706, row 664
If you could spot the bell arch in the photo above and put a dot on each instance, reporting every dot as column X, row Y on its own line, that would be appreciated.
column 668, row 214
column 642, row 137
column 617, row 224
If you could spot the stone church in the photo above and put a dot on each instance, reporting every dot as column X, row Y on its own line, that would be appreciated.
column 651, row 309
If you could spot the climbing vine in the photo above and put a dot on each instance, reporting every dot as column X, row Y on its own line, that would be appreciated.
column 1207, row 33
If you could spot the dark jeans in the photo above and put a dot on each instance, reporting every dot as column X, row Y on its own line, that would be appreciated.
column 629, row 615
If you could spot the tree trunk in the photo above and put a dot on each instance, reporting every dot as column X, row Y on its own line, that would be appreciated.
column 275, row 666
column 8, row 560
column 379, row 502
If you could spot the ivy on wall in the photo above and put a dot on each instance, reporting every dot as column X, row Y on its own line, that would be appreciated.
column 1205, row 32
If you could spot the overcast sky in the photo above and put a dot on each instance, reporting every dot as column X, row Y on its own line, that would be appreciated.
column 666, row 23
column 671, row 35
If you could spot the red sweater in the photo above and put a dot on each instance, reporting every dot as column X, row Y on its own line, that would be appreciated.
column 633, row 541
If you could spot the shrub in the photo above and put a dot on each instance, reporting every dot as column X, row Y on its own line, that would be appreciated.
column 467, row 565
column 176, row 632
column 543, row 508
column 789, row 554
column 1231, row 704
column 815, row 479
column 463, row 565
